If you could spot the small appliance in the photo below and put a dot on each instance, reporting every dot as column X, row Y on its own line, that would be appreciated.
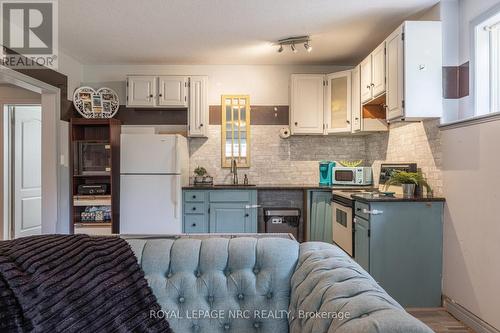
column 351, row 176
column 92, row 189
column 325, row 172
column 92, row 158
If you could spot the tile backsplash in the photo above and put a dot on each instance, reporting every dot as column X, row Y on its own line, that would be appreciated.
column 275, row 160
column 295, row 160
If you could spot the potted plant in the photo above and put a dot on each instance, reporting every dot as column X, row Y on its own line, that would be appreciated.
column 199, row 173
column 409, row 181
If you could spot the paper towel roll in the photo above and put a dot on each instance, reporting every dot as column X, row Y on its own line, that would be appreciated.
column 285, row 133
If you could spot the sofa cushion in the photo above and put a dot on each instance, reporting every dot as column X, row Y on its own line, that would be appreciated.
column 332, row 293
column 218, row 277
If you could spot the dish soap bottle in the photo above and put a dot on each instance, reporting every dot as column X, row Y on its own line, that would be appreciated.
column 245, row 180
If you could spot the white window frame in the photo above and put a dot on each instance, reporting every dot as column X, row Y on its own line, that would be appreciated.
column 485, row 51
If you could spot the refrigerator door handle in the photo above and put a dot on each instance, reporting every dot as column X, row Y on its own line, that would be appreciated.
column 175, row 196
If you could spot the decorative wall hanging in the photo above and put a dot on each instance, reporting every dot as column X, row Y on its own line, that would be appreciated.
column 102, row 103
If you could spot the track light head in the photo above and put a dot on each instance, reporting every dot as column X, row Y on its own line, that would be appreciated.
column 294, row 49
column 280, row 49
column 308, row 47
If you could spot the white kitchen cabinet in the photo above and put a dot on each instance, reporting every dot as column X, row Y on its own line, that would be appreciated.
column 338, row 102
column 198, row 106
column 141, row 91
column 365, row 69
column 372, row 70
column 172, row 91
column 414, row 71
column 355, row 100
column 307, row 103
column 378, row 71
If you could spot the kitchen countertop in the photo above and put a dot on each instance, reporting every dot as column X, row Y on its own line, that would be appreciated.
column 369, row 197
column 274, row 187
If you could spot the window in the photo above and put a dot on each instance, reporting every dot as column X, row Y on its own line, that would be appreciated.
column 486, row 36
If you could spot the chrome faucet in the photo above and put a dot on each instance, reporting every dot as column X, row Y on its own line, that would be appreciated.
column 234, row 171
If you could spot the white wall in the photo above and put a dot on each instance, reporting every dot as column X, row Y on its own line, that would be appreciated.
column 266, row 85
column 73, row 70
column 471, row 182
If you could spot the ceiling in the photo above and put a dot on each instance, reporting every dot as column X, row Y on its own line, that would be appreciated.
column 226, row 31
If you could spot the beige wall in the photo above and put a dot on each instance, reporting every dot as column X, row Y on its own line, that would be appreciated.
column 10, row 95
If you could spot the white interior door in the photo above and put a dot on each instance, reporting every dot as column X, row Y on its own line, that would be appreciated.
column 27, row 170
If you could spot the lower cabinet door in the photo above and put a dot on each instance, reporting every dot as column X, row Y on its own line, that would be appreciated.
column 195, row 224
column 230, row 218
column 362, row 243
column 321, row 217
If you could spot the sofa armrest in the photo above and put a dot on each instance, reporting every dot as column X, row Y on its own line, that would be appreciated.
column 332, row 293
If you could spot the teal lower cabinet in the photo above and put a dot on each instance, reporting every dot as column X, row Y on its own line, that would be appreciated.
column 320, row 215
column 220, row 211
column 400, row 244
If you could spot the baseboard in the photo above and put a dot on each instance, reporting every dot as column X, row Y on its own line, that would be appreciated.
column 467, row 317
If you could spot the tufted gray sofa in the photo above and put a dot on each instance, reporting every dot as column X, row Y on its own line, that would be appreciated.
column 266, row 285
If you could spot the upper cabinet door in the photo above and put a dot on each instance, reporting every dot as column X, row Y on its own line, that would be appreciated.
column 356, row 100
column 172, row 91
column 394, row 74
column 365, row 69
column 378, row 70
column 338, row 102
column 141, row 91
column 198, row 106
column 307, row 98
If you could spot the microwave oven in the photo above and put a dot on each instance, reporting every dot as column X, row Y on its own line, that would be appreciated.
column 92, row 158
column 352, row 176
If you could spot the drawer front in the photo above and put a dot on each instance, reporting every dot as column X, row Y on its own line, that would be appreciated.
column 194, row 196
column 230, row 196
column 194, row 208
column 360, row 208
column 195, row 224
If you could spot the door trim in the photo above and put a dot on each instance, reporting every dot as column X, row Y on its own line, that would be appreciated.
column 51, row 150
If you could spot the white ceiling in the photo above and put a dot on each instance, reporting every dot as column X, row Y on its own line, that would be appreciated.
column 226, row 31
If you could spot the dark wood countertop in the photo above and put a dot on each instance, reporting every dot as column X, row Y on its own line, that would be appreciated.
column 396, row 198
column 273, row 187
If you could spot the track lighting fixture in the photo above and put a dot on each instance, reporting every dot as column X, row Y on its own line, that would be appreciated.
column 293, row 41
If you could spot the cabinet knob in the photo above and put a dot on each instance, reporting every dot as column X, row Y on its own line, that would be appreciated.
column 160, row 95
column 247, row 215
column 194, row 208
column 373, row 84
column 356, row 118
column 194, row 196
column 151, row 96
column 368, row 87
column 296, row 123
column 193, row 225
column 201, row 125
column 347, row 121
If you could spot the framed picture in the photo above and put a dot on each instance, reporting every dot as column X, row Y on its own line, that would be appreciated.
column 106, row 107
column 101, row 103
column 96, row 101
column 85, row 96
column 87, row 106
column 107, row 97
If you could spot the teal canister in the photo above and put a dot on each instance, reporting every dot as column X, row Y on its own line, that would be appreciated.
column 325, row 172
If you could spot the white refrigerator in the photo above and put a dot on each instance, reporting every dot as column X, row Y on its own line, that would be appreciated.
column 154, row 168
